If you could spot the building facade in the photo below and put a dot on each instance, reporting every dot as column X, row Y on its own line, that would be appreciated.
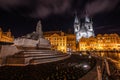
column 6, row 37
column 71, row 43
column 106, row 42
column 61, row 41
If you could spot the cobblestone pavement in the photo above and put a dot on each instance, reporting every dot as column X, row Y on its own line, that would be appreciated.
column 92, row 75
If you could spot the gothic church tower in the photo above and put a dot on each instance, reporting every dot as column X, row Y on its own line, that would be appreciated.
column 89, row 26
column 76, row 24
column 84, row 29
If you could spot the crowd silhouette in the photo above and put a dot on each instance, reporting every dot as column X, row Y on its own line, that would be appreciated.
column 67, row 69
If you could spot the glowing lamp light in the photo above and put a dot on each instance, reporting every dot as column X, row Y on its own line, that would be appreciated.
column 80, row 54
column 85, row 66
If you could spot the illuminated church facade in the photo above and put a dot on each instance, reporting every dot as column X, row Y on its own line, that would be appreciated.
column 83, row 29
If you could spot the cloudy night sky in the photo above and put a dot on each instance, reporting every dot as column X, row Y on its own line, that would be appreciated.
column 21, row 16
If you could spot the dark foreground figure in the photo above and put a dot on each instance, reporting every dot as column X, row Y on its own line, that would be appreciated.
column 69, row 69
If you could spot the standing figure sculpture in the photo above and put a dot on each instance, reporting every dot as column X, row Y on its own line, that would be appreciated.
column 39, row 29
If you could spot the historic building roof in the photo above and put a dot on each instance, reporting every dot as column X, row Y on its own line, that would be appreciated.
column 6, row 37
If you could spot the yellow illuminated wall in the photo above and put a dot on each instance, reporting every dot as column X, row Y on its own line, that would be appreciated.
column 61, row 41
column 6, row 36
column 71, row 42
column 58, row 41
column 100, row 42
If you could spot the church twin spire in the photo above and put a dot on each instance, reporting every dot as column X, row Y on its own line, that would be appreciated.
column 84, row 29
column 76, row 18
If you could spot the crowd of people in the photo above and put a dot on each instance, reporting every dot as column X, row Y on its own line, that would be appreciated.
column 60, row 70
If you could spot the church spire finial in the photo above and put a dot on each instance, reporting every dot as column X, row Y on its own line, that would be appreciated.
column 76, row 17
column 87, row 19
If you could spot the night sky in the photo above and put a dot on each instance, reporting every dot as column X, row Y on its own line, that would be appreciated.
column 21, row 16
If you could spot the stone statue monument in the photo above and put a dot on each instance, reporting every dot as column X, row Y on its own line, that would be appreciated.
column 35, row 39
column 39, row 29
